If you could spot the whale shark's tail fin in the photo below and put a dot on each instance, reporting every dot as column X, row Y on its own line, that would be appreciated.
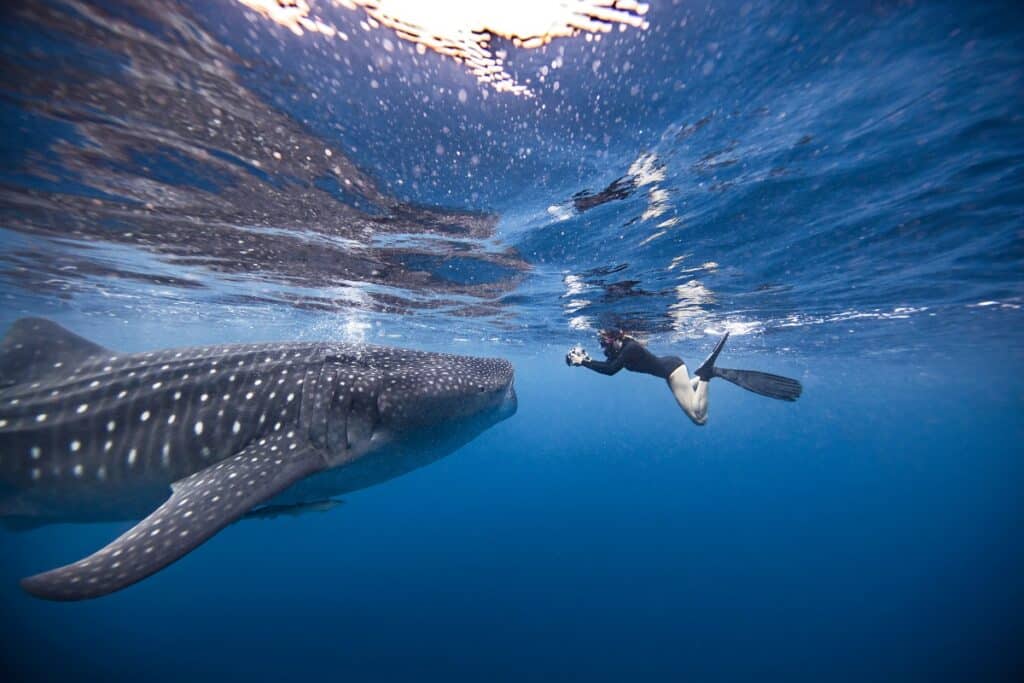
column 766, row 384
column 34, row 348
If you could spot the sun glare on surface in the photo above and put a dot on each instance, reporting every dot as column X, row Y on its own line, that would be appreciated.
column 462, row 29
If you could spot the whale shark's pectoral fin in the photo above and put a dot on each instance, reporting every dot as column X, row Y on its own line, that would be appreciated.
column 200, row 506
column 293, row 510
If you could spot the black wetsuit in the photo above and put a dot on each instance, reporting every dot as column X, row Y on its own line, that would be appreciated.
column 634, row 356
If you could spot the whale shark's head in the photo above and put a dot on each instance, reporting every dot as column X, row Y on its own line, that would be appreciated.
column 400, row 394
column 447, row 388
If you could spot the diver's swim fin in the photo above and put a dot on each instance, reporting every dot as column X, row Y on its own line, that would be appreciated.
column 772, row 386
column 766, row 384
column 707, row 369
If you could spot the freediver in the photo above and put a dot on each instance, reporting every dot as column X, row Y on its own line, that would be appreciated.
column 624, row 351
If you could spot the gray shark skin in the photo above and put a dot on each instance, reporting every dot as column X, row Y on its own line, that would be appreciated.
column 193, row 439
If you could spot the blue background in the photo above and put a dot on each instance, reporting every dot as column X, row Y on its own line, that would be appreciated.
column 848, row 181
column 861, row 533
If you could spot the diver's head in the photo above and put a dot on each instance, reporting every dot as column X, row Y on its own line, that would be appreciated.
column 611, row 341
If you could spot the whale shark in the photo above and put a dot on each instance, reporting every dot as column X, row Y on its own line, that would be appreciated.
column 190, row 440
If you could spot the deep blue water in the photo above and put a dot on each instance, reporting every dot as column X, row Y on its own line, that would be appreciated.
column 841, row 186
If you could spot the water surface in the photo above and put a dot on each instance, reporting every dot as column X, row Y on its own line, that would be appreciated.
column 840, row 186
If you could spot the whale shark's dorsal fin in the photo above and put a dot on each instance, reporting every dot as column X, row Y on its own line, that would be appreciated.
column 34, row 348
column 200, row 505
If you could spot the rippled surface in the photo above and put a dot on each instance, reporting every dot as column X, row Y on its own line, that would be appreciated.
column 756, row 169
column 146, row 138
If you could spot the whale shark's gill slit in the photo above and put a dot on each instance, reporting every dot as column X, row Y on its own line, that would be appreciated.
column 358, row 425
column 364, row 412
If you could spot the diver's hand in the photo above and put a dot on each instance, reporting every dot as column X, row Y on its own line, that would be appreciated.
column 576, row 356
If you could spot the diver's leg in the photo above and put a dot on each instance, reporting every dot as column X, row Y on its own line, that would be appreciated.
column 700, row 391
column 691, row 395
column 700, row 394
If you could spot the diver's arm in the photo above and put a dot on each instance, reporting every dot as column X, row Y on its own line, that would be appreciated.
column 579, row 357
column 605, row 367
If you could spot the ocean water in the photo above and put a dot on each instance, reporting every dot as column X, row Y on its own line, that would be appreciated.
column 838, row 185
